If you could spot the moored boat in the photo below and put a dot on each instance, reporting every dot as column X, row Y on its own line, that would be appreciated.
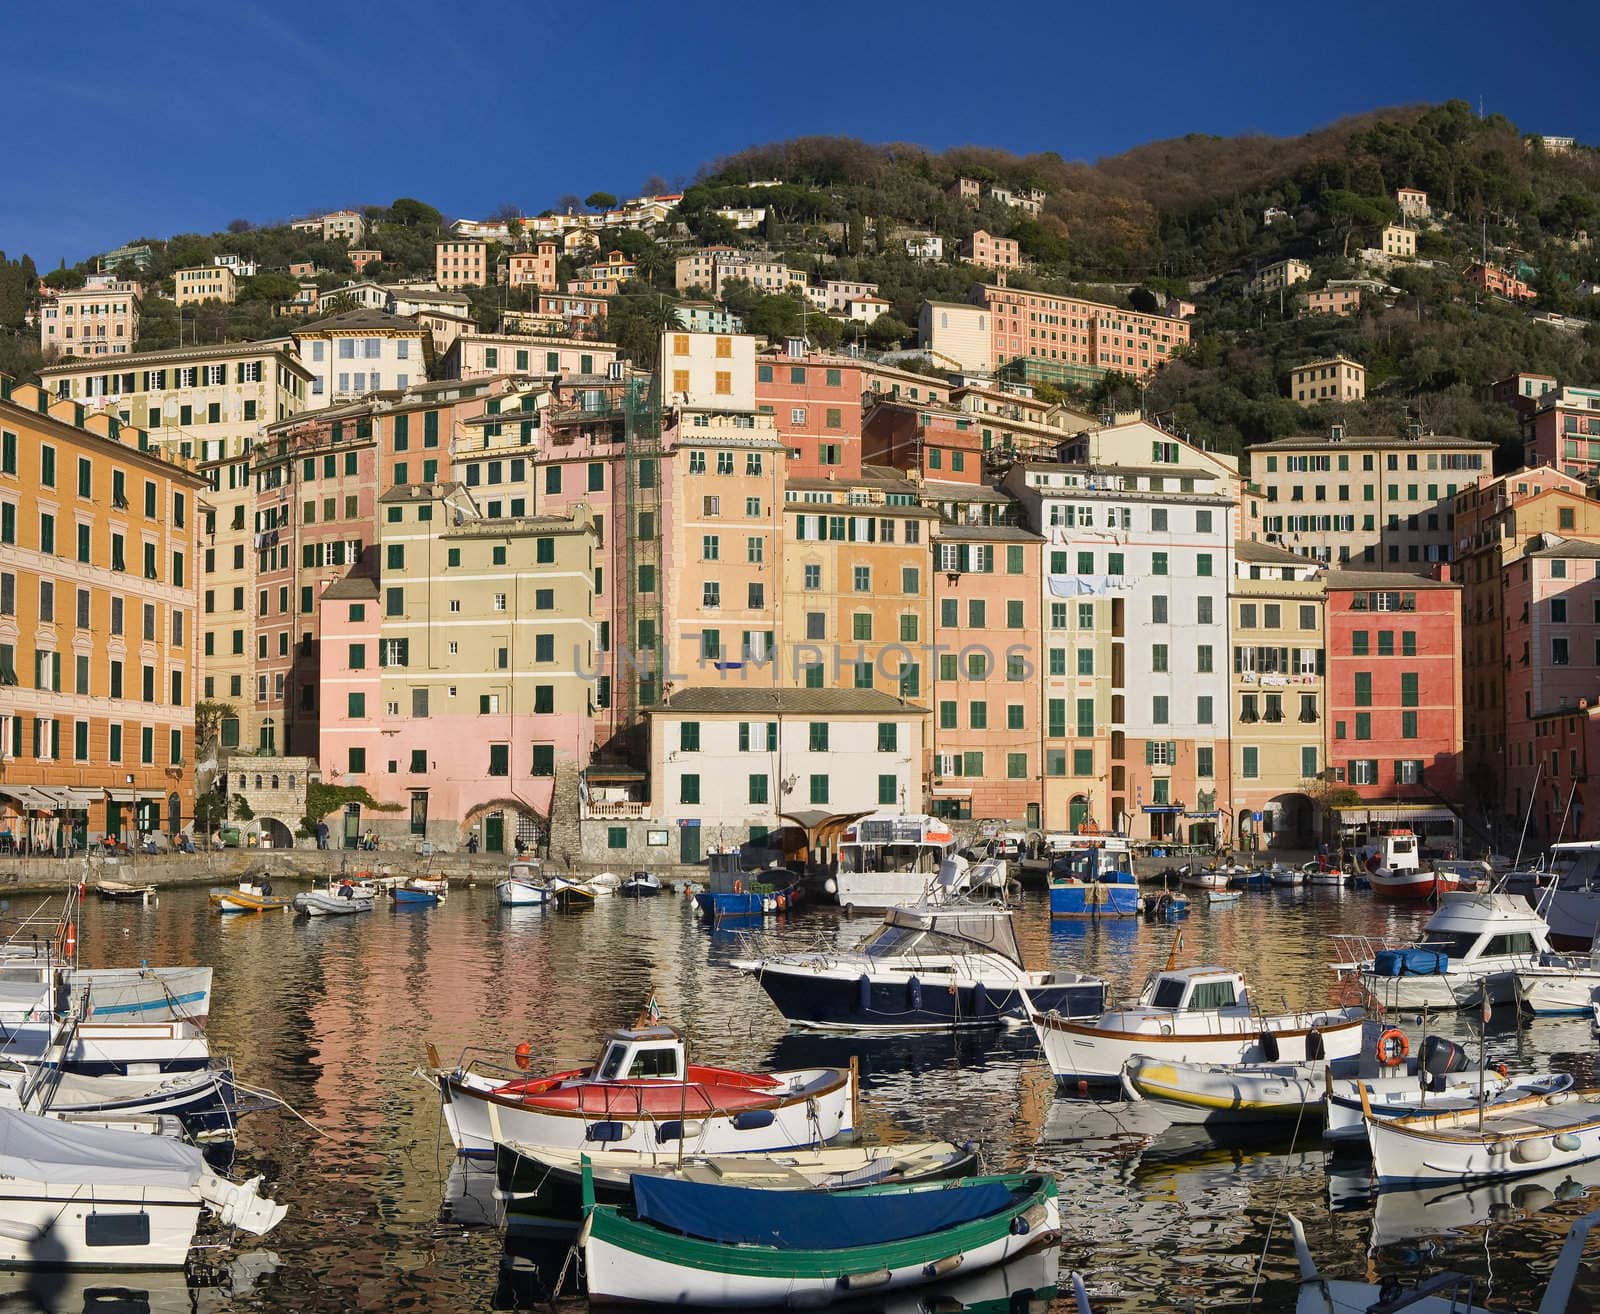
column 248, row 897
column 1227, row 1093
column 1207, row 878
column 413, row 897
column 317, row 903
column 1395, row 871
column 687, row 1243
column 932, row 967
column 524, row 885
column 1092, row 876
column 1193, row 1015
column 642, row 1094
column 642, row 885
column 732, row 892
column 892, row 860
column 122, row 891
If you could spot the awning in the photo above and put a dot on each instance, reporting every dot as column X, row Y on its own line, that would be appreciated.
column 121, row 795
column 1202, row 816
column 83, row 798
column 1395, row 812
column 951, row 791
column 35, row 798
column 1163, row 807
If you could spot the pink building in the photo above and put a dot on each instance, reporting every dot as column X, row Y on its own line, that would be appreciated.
column 1333, row 301
column 533, row 269
column 1498, row 283
column 486, row 354
column 815, row 402
column 604, row 279
column 989, row 252
column 364, row 256
column 1067, row 340
column 933, row 442
column 579, row 313
column 1563, row 431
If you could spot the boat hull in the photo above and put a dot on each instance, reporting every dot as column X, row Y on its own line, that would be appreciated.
column 317, row 904
column 1440, row 991
column 883, row 889
column 1406, row 886
column 630, row 1262
column 898, row 1001
column 634, row 888
column 1084, row 1052
column 237, row 901
column 806, row 1107
column 1094, row 899
column 204, row 1102
column 1517, row 1138
column 66, row 1217
column 156, row 994
column 1401, row 1097
column 521, row 894
column 415, row 898
column 1202, row 1095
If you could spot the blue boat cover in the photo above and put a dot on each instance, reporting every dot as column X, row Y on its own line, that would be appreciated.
column 811, row 1220
column 1410, row 962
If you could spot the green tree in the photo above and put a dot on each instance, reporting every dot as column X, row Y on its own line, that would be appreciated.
column 600, row 201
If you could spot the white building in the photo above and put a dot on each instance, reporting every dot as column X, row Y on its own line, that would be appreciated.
column 709, row 371
column 928, row 248
column 242, row 268
column 361, row 351
column 834, row 294
column 731, row 761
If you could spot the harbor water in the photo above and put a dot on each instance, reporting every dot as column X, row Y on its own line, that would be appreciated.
column 333, row 1015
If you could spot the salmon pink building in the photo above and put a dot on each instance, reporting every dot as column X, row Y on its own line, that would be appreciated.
column 1393, row 692
column 815, row 403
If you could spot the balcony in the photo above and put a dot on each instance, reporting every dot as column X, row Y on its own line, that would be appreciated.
column 615, row 810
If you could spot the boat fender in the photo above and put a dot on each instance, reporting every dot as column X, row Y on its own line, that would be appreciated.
column 1269, row 1046
column 1531, row 1151
column 1505, row 1072
column 830, row 886
column 1029, row 1219
column 1166, row 1028
column 606, row 1131
column 1315, row 1050
column 523, row 1055
column 914, row 992
column 981, row 1004
column 864, row 993
column 753, row 1119
column 1560, row 1097
column 866, row 1281
column 738, row 887
column 943, row 1267
column 1567, row 1142
column 1392, row 1048
column 669, row 1131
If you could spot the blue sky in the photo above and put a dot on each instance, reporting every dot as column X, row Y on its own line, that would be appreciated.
column 296, row 106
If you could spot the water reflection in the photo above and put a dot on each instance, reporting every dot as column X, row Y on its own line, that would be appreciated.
column 333, row 1015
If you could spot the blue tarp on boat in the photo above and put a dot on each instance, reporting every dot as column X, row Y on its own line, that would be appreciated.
column 1410, row 962
column 811, row 1220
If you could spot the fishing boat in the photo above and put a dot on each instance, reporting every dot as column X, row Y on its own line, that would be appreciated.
column 73, row 1196
column 891, row 860
column 319, row 903
column 731, row 1247
column 248, row 897
column 548, row 1182
column 732, row 892
column 643, row 1094
column 1286, row 877
column 524, row 885
column 122, row 891
column 642, row 885
column 1346, row 1125
column 1395, row 871
column 1168, row 906
column 439, row 885
column 1207, row 878
column 118, row 994
column 1092, row 876
column 1444, row 1293
column 410, row 896
column 1504, row 1139
column 1472, row 944
column 1218, row 1094
column 1215, row 898
column 570, row 894
column 933, row 967
column 1192, row 1015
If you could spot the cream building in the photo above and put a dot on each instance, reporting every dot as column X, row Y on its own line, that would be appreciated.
column 360, row 351
column 1280, row 276
column 343, row 226
column 1335, row 379
column 1398, row 242
column 958, row 332
column 206, row 283
column 1378, row 501
column 98, row 319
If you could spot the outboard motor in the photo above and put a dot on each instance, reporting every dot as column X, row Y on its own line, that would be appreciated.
column 1440, row 1056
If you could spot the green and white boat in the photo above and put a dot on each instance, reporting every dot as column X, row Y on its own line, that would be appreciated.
column 696, row 1244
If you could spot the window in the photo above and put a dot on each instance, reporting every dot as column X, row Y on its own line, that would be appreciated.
column 1158, row 710
column 1158, row 563
column 758, row 788
column 1205, row 763
column 1408, row 689
column 888, row 737
column 499, row 759
column 1363, row 689
column 1250, row 763
column 819, row 789
column 818, row 736
column 1158, row 658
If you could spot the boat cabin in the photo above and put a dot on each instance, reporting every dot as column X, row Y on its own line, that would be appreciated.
column 1195, row 990
column 641, row 1053
column 917, row 933
column 1091, row 858
column 1576, row 865
column 908, row 843
column 524, row 869
column 1469, row 926
column 1395, row 850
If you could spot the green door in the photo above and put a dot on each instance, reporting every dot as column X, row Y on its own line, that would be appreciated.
column 352, row 825
column 1033, row 817
column 688, row 844
column 494, row 833
column 1077, row 814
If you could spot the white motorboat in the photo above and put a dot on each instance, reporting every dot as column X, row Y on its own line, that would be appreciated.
column 893, row 860
column 1560, row 983
column 1400, row 1097
column 642, row 1094
column 1566, row 892
column 1474, row 942
column 1286, row 877
column 1193, row 1015
column 524, row 885
column 117, row 994
column 1504, row 1139
column 1217, row 1094
column 318, row 903
column 1328, row 877
column 1207, row 878
column 74, row 1196
column 933, row 967
column 1395, row 871
column 1445, row 1293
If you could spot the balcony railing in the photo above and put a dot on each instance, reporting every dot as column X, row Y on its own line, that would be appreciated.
column 615, row 810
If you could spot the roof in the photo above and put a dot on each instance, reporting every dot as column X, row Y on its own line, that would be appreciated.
column 1386, row 580
column 960, row 305
column 355, row 588
column 181, row 355
column 1269, row 554
column 1569, row 548
column 947, row 489
column 418, row 492
column 357, row 319
column 1308, row 441
column 1327, row 360
column 986, row 534
column 788, row 702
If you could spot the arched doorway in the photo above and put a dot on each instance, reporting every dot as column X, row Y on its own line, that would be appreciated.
column 276, row 834
column 1078, row 813
column 498, row 827
column 1286, row 822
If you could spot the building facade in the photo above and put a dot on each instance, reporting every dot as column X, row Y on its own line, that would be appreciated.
column 206, row 283
column 361, row 351
column 98, row 319
column 1335, row 379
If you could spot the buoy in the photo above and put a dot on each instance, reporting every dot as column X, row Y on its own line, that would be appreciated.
column 69, row 942
column 738, row 887
column 1392, row 1048
column 522, row 1055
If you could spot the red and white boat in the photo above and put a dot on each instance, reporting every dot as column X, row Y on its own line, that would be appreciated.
column 642, row 1096
column 1394, row 867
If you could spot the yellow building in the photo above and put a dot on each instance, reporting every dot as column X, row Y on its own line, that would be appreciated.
column 98, row 640
column 210, row 405
column 1399, row 243
column 1280, row 276
column 205, row 283
column 1278, row 706
column 1335, row 379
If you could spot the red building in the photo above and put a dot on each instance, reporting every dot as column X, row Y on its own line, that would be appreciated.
column 1394, row 698
column 934, row 441
column 1499, row 283
column 1563, row 431
column 815, row 401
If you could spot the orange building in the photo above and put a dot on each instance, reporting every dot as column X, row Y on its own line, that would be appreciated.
column 815, row 401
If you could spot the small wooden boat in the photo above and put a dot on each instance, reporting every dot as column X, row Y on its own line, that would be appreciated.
column 548, row 1182
column 1400, row 1097
column 731, row 1247
column 247, row 897
column 1218, row 897
column 1444, row 1293
column 1222, row 1093
column 412, row 897
column 1285, row 877
column 570, row 894
column 1206, row 878
column 524, row 885
column 642, row 885
column 318, row 903
column 1505, row 1139
column 439, row 885
column 121, row 891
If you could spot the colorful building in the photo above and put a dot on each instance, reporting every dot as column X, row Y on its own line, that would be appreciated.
column 533, row 269
column 1336, row 379
column 1279, row 276
column 98, row 319
column 481, row 354
column 460, row 264
column 1563, row 431
column 1498, row 283
column 1333, row 301
column 361, row 351
column 1037, row 336
column 990, row 252
column 205, row 283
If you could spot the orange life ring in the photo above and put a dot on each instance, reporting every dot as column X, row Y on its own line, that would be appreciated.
column 1502, row 1070
column 738, row 887
column 523, row 1051
column 69, row 941
column 1392, row 1048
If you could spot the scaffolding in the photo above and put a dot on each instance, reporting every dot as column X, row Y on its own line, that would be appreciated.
column 639, row 652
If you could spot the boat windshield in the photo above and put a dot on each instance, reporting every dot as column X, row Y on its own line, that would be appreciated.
column 1454, row 944
column 904, row 942
column 1092, row 865
column 922, row 858
column 648, row 1061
